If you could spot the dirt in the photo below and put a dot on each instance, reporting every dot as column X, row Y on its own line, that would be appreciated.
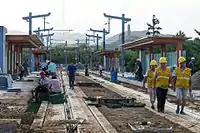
column 92, row 91
column 196, row 81
column 120, row 118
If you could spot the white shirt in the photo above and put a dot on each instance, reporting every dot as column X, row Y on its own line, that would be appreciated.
column 54, row 85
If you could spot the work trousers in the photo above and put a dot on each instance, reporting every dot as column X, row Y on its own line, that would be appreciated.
column 161, row 98
column 21, row 75
column 152, row 95
column 71, row 81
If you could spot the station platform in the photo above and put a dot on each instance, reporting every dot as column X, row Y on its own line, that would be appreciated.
column 191, row 120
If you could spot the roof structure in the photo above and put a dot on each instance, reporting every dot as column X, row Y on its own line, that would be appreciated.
column 109, row 53
column 26, row 41
column 151, row 41
column 40, row 51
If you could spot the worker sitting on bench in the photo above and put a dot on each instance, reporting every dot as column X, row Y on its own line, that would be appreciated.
column 43, row 85
column 54, row 85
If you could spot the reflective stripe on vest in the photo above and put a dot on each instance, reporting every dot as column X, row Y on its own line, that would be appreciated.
column 162, row 79
column 182, row 78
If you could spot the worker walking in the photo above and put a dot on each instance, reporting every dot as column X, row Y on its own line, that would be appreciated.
column 182, row 84
column 149, row 79
column 162, row 79
column 71, row 71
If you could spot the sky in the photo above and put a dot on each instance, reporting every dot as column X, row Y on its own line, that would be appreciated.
column 80, row 15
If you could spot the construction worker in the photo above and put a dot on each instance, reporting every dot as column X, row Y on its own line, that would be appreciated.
column 162, row 79
column 149, row 78
column 182, row 83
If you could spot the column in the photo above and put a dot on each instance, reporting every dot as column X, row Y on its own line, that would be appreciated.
column 151, row 53
column 3, row 31
column 16, row 60
column 13, row 58
column 163, row 50
column 20, row 54
column 9, row 57
column 179, row 51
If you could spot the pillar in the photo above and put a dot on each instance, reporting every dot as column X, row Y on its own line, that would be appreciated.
column 13, row 58
column 20, row 54
column 151, row 53
column 179, row 51
column 163, row 51
column 3, row 52
column 9, row 57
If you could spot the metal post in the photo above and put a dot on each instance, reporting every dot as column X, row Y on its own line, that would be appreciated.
column 86, row 51
column 104, row 39
column 104, row 47
column 97, row 42
column 123, row 40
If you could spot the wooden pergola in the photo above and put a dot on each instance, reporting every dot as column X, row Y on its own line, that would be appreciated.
column 152, row 42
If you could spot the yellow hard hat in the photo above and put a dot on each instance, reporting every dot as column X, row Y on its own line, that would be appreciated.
column 153, row 63
column 181, row 59
column 47, row 61
column 163, row 60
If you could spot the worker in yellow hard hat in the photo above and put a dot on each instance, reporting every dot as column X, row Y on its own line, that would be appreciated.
column 149, row 79
column 162, row 80
column 182, row 83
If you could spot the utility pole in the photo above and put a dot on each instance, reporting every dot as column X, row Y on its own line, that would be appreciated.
column 104, row 42
column 97, row 37
column 77, row 51
column 124, row 20
column 29, row 20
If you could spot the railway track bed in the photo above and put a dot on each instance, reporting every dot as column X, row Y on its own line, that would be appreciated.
column 128, row 119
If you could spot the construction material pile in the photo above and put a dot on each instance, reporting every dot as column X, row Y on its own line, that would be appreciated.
column 196, row 81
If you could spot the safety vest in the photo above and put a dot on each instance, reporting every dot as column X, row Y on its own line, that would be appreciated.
column 182, row 78
column 150, row 76
column 162, row 79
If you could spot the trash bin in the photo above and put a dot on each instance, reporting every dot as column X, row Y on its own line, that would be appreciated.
column 113, row 77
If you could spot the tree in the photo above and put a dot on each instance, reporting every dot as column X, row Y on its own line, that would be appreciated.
column 180, row 34
column 152, row 28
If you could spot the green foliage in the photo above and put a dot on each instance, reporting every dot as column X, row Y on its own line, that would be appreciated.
column 130, row 58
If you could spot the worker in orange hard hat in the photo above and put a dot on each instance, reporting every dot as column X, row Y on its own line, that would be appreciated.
column 149, row 79
column 162, row 79
column 182, row 83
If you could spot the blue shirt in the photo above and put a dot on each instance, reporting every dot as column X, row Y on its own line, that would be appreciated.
column 43, row 64
column 71, row 70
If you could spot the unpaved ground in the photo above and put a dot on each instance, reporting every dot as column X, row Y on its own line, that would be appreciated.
column 120, row 117
column 92, row 91
column 14, row 105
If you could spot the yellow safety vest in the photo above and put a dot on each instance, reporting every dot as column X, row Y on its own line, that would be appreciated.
column 182, row 78
column 150, row 76
column 162, row 79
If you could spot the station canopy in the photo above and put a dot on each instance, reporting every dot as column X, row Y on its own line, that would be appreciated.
column 151, row 41
column 25, row 41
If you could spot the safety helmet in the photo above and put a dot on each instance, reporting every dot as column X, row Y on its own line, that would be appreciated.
column 47, row 61
column 181, row 59
column 192, row 58
column 153, row 63
column 163, row 60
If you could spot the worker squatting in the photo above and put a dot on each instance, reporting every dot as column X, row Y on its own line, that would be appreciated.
column 159, row 79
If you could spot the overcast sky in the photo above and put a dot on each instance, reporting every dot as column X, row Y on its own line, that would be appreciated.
column 81, row 15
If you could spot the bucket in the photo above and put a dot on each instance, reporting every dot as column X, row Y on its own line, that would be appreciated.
column 113, row 77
